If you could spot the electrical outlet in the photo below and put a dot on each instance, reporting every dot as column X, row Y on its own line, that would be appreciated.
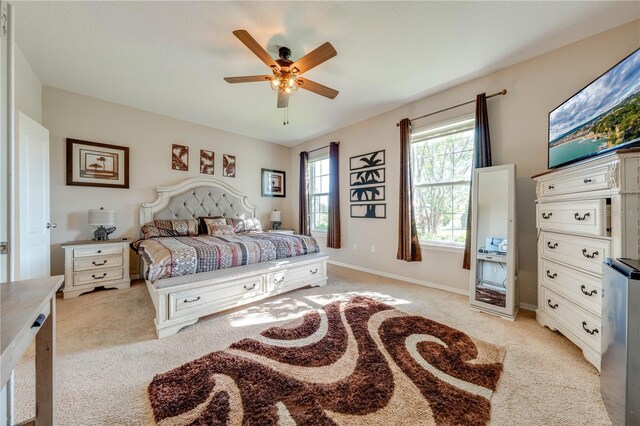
column 355, row 246
column 373, row 249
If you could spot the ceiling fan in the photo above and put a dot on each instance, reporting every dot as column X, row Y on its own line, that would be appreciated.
column 286, row 73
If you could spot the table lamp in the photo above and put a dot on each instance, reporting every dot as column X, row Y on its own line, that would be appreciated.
column 101, row 218
column 276, row 219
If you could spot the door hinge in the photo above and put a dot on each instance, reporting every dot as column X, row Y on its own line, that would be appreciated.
column 4, row 247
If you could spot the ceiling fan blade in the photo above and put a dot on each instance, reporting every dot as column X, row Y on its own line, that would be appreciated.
column 312, row 86
column 314, row 58
column 253, row 45
column 247, row 78
column 283, row 100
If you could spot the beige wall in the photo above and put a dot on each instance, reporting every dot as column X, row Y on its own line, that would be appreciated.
column 149, row 137
column 518, row 124
column 28, row 88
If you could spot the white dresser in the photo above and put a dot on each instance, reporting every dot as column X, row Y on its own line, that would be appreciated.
column 585, row 212
column 91, row 264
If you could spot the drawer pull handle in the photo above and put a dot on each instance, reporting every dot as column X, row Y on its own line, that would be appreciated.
column 546, row 215
column 250, row 288
column 195, row 299
column 315, row 271
column 555, row 274
column 584, row 327
column 99, row 264
column 551, row 186
column 99, row 251
column 552, row 246
column 587, row 181
column 104, row 274
column 584, row 291
column 550, row 305
column 577, row 216
column 39, row 321
column 589, row 256
column 279, row 280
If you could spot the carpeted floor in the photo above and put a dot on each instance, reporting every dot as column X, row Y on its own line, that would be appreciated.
column 108, row 353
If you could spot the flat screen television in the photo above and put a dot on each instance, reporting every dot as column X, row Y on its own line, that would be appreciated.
column 602, row 117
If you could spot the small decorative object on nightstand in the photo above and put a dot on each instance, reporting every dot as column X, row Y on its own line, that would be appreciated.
column 101, row 218
column 91, row 264
column 281, row 231
column 276, row 219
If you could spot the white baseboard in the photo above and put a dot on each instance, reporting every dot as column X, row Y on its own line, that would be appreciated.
column 528, row 307
column 402, row 278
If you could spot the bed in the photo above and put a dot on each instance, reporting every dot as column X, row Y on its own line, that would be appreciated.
column 184, row 290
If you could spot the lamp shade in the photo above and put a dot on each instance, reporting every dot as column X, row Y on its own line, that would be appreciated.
column 101, row 217
column 276, row 216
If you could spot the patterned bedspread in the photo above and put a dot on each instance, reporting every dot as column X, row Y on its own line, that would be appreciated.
column 174, row 256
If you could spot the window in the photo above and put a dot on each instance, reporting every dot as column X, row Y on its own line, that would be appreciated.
column 441, row 165
column 319, row 194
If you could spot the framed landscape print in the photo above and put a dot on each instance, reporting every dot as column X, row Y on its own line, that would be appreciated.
column 206, row 162
column 97, row 164
column 228, row 165
column 180, row 157
column 273, row 183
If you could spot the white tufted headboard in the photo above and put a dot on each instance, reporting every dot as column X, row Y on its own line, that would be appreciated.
column 195, row 197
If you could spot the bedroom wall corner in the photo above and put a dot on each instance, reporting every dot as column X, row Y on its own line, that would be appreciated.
column 149, row 137
column 28, row 88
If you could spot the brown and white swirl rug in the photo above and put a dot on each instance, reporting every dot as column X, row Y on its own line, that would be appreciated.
column 359, row 362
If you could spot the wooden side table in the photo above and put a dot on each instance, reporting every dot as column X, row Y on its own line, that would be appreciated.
column 91, row 264
column 28, row 310
column 281, row 231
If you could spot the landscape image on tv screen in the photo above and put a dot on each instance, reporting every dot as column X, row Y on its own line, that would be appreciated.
column 603, row 116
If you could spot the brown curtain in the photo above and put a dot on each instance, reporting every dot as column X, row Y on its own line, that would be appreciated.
column 333, row 233
column 482, row 158
column 303, row 208
column 408, row 243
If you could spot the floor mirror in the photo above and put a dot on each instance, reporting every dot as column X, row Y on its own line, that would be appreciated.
column 493, row 241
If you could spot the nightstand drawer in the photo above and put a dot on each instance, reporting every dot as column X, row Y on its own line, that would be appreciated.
column 101, row 249
column 97, row 277
column 97, row 262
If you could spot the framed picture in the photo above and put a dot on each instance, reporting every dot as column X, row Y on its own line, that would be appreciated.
column 206, row 162
column 367, row 177
column 97, row 164
column 180, row 157
column 273, row 183
column 228, row 165
column 370, row 193
column 369, row 211
column 372, row 159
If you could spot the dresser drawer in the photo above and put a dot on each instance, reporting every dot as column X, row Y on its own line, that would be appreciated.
column 592, row 179
column 582, row 288
column 97, row 250
column 96, row 262
column 187, row 301
column 580, row 322
column 293, row 275
column 580, row 252
column 586, row 217
column 98, row 277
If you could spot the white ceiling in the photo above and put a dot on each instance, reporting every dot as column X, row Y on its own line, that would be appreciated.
column 170, row 57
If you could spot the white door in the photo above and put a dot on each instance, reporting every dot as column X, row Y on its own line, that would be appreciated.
column 32, row 212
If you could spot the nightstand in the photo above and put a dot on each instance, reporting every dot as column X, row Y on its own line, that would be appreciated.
column 91, row 264
column 281, row 231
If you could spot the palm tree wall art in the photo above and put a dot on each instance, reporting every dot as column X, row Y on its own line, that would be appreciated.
column 365, row 185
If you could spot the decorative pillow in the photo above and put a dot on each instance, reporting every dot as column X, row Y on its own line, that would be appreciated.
column 202, row 227
column 245, row 225
column 218, row 230
column 170, row 228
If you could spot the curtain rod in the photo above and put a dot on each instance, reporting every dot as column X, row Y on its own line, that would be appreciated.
column 502, row 92
column 322, row 147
